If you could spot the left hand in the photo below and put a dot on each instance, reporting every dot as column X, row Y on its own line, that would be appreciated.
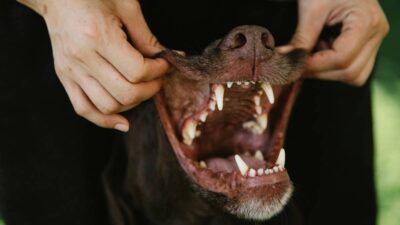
column 353, row 53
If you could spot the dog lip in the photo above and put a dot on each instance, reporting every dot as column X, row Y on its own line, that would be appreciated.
column 230, row 184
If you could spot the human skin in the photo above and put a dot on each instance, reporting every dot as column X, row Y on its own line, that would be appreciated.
column 102, row 54
column 352, row 55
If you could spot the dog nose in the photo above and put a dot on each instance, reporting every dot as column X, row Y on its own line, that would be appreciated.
column 249, row 39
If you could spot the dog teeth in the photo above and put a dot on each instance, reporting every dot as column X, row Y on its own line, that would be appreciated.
column 212, row 104
column 258, row 155
column 262, row 120
column 219, row 95
column 275, row 169
column 258, row 109
column 266, row 86
column 281, row 158
column 243, row 168
column 203, row 165
column 257, row 100
column 189, row 131
column 229, row 84
column 252, row 173
column 203, row 116
column 260, row 172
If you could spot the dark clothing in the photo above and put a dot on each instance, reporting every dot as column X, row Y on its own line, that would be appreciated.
column 51, row 160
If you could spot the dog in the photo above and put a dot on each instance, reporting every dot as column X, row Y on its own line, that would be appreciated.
column 209, row 148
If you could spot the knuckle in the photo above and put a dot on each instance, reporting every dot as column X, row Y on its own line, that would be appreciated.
column 102, row 121
column 131, row 99
column 301, row 41
column 343, row 63
column 109, row 108
column 349, row 76
column 81, row 110
column 75, row 52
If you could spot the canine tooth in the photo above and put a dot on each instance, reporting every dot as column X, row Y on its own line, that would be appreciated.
column 281, row 158
column 203, row 116
column 252, row 173
column 258, row 109
column 263, row 120
column 189, row 131
column 260, row 172
column 258, row 155
column 229, row 84
column 203, row 165
column 243, row 168
column 275, row 169
column 219, row 94
column 266, row 86
column 257, row 100
column 212, row 105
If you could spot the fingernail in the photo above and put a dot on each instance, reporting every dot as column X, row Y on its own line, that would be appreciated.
column 121, row 127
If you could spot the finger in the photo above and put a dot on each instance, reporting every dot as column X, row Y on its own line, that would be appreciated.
column 357, row 73
column 99, row 96
column 137, row 28
column 86, row 109
column 131, row 63
column 311, row 20
column 122, row 90
column 346, row 47
column 144, row 91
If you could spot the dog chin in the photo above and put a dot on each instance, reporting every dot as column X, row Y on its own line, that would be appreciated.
column 259, row 210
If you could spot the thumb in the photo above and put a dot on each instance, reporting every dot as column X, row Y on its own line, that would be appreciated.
column 138, row 30
column 311, row 20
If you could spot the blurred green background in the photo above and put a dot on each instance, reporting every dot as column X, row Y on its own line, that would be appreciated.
column 386, row 110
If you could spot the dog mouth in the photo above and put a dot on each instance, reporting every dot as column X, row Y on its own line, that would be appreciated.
column 225, row 114
column 233, row 140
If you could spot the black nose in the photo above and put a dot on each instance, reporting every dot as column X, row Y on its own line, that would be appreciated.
column 248, row 38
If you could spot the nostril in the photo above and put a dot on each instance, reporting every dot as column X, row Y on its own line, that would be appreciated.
column 239, row 40
column 267, row 40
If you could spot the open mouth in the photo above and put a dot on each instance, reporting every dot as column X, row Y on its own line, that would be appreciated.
column 226, row 122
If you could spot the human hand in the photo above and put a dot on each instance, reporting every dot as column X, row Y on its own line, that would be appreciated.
column 101, row 71
column 352, row 55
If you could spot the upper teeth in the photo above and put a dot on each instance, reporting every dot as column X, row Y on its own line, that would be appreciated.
column 219, row 95
column 189, row 131
column 266, row 86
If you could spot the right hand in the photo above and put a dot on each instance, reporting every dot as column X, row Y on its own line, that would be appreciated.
column 101, row 71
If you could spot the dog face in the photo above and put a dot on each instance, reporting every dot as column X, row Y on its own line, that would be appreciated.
column 225, row 113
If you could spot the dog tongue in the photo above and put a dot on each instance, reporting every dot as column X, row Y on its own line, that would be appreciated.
column 229, row 165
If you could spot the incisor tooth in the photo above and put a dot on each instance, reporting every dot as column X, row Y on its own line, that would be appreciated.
column 246, row 83
column 243, row 168
column 203, row 116
column 238, row 82
column 219, row 94
column 189, row 131
column 203, row 165
column 281, row 158
column 212, row 105
column 229, row 84
column 275, row 169
column 260, row 171
column 252, row 173
column 263, row 120
column 266, row 86
column 258, row 155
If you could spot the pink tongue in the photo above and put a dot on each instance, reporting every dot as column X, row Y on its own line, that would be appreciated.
column 228, row 165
